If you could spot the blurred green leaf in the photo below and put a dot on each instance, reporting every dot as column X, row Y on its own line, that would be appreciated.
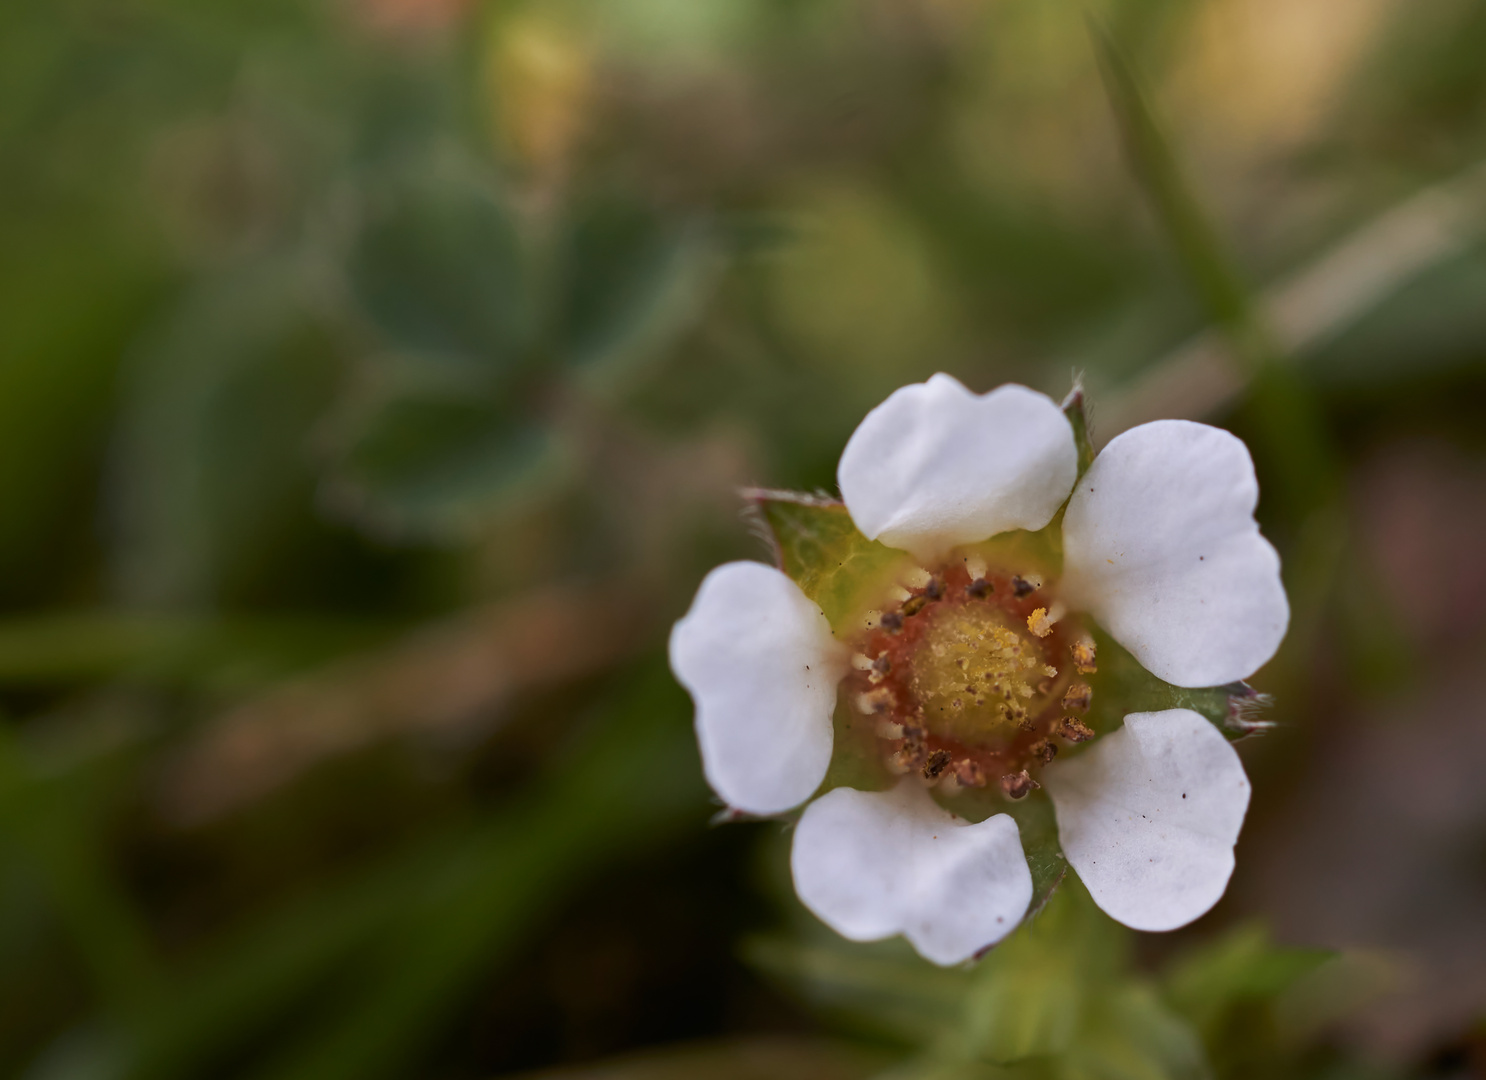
column 401, row 939
column 1233, row 993
column 1420, row 90
column 211, row 458
column 73, row 290
column 85, row 646
column 633, row 784
column 758, row 1058
column 438, row 266
column 633, row 279
column 433, row 457
column 1431, row 328
column 1245, row 964
column 1055, row 1001
column 53, row 814
column 879, row 988
column 1031, row 991
column 461, row 422
column 1130, row 1034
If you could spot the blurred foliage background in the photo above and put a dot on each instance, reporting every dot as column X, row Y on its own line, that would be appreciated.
column 375, row 380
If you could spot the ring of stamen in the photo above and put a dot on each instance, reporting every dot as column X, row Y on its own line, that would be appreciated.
column 971, row 675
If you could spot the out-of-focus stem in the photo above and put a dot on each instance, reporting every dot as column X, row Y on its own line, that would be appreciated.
column 1311, row 305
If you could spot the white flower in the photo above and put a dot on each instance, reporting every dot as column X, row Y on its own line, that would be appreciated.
column 972, row 670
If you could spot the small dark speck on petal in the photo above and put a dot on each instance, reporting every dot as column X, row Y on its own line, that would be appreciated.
column 1000, row 919
column 1184, row 794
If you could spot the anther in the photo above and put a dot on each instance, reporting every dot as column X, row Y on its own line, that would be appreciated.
column 969, row 774
column 892, row 622
column 914, row 604
column 913, row 752
column 874, row 701
column 882, row 665
column 979, row 589
column 934, row 589
column 1084, row 657
column 1074, row 730
column 937, row 762
column 917, row 578
column 889, row 729
column 1021, row 587
column 1039, row 623
column 1018, row 785
column 1077, row 696
column 1044, row 750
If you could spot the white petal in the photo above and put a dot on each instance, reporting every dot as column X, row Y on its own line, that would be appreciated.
column 1161, row 547
column 762, row 667
column 874, row 864
column 934, row 465
column 1148, row 816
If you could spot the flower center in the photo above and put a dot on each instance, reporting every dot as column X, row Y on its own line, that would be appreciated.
column 973, row 677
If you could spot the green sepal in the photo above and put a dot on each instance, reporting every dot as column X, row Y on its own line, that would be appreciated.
column 1122, row 686
column 1037, row 825
column 856, row 754
column 816, row 544
column 1075, row 408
